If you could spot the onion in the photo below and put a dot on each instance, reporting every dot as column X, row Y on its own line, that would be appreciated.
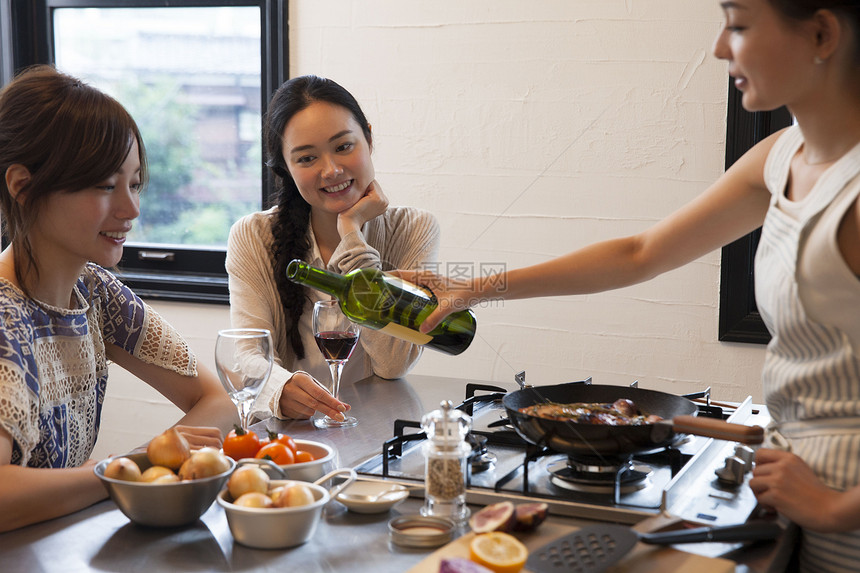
column 169, row 449
column 155, row 472
column 124, row 469
column 294, row 495
column 254, row 499
column 203, row 463
column 277, row 494
column 166, row 478
column 247, row 479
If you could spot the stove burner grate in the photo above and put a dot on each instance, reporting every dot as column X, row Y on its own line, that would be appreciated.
column 625, row 477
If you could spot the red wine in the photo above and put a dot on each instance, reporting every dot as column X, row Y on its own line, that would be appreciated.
column 336, row 345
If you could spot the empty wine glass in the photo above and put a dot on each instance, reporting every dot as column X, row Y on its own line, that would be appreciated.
column 243, row 359
column 336, row 337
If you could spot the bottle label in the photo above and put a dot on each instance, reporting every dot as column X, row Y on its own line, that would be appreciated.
column 404, row 333
column 411, row 288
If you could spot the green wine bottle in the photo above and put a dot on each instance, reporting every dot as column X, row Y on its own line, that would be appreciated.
column 371, row 298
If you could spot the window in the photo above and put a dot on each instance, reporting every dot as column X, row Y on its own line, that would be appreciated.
column 196, row 75
column 739, row 317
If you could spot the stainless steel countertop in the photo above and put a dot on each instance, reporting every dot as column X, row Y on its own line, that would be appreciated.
column 376, row 403
column 100, row 538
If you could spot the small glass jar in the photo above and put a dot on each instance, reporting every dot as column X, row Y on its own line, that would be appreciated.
column 446, row 454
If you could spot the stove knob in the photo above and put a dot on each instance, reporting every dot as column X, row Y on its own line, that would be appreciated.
column 733, row 472
column 746, row 454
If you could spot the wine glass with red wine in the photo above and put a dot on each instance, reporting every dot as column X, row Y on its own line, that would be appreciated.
column 336, row 337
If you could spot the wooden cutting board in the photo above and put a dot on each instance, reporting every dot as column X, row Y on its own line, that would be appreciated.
column 641, row 559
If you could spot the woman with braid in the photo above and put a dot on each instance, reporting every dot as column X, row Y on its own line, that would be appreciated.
column 332, row 213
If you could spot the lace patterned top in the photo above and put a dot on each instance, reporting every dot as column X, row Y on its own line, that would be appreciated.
column 53, row 366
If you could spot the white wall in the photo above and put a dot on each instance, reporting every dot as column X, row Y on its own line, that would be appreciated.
column 530, row 129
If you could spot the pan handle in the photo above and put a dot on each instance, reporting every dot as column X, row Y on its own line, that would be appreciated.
column 751, row 531
column 719, row 429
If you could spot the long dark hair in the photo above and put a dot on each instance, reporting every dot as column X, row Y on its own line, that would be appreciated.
column 290, row 224
column 69, row 136
column 805, row 9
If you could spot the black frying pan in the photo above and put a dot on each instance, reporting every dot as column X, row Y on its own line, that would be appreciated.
column 677, row 412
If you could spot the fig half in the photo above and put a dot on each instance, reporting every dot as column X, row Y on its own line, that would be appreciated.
column 527, row 516
column 496, row 517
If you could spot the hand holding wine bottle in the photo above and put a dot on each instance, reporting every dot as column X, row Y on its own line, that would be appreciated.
column 452, row 295
column 384, row 302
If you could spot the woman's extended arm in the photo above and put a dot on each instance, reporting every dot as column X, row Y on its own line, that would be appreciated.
column 730, row 208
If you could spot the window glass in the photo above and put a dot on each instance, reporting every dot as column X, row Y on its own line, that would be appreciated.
column 191, row 79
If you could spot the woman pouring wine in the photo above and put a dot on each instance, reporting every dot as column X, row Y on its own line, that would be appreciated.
column 802, row 186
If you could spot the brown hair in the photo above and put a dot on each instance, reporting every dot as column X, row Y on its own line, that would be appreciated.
column 806, row 9
column 69, row 136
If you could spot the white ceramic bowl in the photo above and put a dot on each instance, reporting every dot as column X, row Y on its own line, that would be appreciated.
column 379, row 496
column 162, row 505
column 304, row 471
column 277, row 528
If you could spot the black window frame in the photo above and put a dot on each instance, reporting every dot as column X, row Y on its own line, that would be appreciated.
column 159, row 271
column 739, row 319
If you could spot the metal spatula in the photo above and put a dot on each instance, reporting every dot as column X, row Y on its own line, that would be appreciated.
column 595, row 548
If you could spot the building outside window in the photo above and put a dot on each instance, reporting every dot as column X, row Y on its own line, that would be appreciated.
column 191, row 79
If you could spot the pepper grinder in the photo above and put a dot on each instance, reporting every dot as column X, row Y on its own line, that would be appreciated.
column 446, row 455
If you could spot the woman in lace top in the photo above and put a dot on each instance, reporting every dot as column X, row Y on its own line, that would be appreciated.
column 73, row 164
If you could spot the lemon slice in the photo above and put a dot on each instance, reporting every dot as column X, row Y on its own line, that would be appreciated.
column 501, row 552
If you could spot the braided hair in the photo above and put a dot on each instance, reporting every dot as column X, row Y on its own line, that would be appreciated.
column 292, row 220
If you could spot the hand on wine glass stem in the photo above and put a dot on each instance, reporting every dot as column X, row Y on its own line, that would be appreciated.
column 302, row 396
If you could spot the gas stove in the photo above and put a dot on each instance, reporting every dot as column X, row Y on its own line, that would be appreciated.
column 701, row 480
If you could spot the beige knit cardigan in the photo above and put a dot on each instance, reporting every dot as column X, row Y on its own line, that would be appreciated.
column 402, row 237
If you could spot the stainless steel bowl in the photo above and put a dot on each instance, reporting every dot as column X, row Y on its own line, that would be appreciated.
column 162, row 505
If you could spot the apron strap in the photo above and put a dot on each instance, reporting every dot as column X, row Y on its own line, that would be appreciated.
column 779, row 436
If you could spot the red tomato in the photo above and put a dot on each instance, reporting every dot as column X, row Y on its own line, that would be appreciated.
column 303, row 456
column 288, row 441
column 281, row 438
column 241, row 444
column 277, row 452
